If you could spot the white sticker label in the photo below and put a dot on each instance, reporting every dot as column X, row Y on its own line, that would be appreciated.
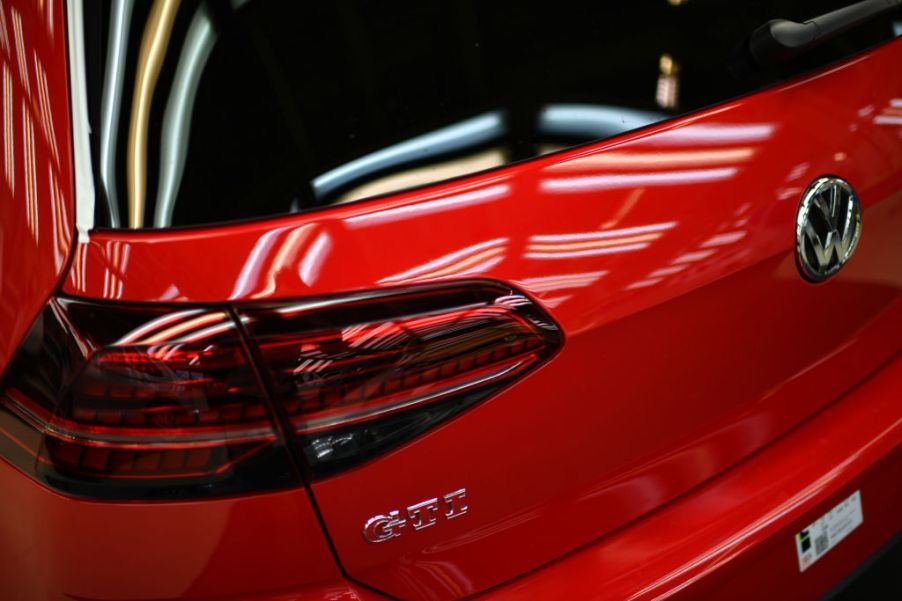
column 827, row 531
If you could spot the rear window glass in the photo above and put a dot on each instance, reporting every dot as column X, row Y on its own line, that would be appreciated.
column 256, row 108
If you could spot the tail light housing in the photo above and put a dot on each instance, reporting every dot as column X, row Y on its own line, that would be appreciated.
column 357, row 376
column 140, row 402
column 119, row 401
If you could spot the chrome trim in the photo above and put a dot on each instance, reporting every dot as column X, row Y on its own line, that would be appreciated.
column 456, row 504
column 381, row 528
column 422, row 515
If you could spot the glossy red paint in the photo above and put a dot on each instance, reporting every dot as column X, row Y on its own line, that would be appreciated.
column 53, row 547
column 667, row 257
column 734, row 537
column 36, row 198
column 59, row 548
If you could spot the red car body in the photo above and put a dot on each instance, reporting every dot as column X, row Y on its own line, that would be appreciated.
column 706, row 404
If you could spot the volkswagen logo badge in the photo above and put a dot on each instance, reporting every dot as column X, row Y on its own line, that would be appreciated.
column 828, row 226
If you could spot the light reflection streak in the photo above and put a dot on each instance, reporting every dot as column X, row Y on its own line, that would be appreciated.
column 668, row 88
column 287, row 250
column 8, row 143
column 85, row 346
column 798, row 171
column 586, row 253
column 692, row 257
column 393, row 214
column 664, row 271
column 196, row 49
column 207, row 332
column 626, row 231
column 178, row 329
column 20, row 53
column 716, row 134
column 787, row 193
column 433, row 172
column 589, row 244
column 644, row 283
column 79, row 265
column 556, row 301
column 154, row 325
column 358, row 337
column 622, row 159
column 512, row 301
column 562, row 282
column 49, row 15
column 625, row 207
column 250, row 274
column 28, row 152
column 171, row 293
column 593, row 120
column 466, row 261
column 111, row 102
column 4, row 35
column 588, row 183
column 44, row 109
column 118, row 252
column 313, row 260
column 151, row 53
column 57, row 213
column 723, row 239
column 466, row 134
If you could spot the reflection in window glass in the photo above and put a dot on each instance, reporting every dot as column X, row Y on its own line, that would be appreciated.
column 265, row 107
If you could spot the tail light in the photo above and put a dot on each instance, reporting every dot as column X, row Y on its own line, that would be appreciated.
column 124, row 401
column 139, row 402
column 358, row 376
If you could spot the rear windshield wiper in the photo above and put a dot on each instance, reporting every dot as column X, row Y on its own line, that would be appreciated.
column 781, row 39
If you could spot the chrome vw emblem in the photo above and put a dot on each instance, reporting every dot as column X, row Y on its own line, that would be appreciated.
column 827, row 228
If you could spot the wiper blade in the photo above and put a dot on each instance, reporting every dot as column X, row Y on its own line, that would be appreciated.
column 781, row 39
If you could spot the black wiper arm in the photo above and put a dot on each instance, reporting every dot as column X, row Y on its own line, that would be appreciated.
column 779, row 40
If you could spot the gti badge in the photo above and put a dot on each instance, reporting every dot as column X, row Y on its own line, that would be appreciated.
column 827, row 228
column 381, row 528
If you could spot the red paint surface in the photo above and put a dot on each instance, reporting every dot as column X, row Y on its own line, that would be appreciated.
column 666, row 256
column 59, row 548
column 692, row 343
column 36, row 198
column 734, row 538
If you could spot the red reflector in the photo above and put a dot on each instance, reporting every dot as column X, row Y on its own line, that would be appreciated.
column 351, row 366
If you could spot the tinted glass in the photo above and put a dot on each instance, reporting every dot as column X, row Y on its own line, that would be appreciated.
column 267, row 107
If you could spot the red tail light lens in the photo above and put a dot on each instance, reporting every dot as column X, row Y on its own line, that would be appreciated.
column 125, row 402
column 358, row 376
column 140, row 402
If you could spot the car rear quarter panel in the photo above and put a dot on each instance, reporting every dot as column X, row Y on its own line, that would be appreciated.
column 53, row 547
column 36, row 199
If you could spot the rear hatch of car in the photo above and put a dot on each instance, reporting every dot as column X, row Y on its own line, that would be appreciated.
column 609, row 193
